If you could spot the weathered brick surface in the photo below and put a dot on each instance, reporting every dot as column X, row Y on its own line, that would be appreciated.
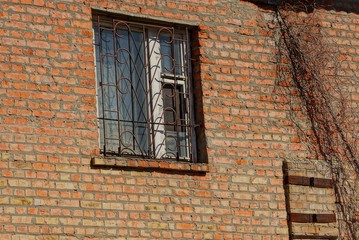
column 48, row 128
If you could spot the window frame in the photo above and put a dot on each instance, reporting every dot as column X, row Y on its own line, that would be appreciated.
column 156, row 140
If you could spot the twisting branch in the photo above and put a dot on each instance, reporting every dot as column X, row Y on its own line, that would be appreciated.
column 306, row 59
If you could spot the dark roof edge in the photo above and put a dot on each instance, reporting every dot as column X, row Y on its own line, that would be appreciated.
column 268, row 2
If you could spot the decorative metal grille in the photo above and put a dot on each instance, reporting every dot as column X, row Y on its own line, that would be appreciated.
column 144, row 90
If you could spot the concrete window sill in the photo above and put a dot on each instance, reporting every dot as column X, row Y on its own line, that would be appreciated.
column 118, row 162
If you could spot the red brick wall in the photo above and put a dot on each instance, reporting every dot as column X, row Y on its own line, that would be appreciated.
column 48, row 129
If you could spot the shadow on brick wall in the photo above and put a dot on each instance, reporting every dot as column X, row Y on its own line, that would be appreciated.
column 350, row 6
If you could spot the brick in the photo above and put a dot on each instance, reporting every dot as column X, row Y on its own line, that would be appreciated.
column 242, row 179
column 47, row 220
column 21, row 201
column 157, row 225
column 118, row 206
column 5, row 155
column 22, row 219
column 4, row 200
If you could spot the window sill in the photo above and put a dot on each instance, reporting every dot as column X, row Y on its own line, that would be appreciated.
column 118, row 162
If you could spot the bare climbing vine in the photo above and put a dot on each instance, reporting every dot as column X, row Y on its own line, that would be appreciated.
column 311, row 71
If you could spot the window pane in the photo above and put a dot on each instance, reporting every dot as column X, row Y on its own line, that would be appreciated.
column 106, row 41
column 166, row 54
column 172, row 55
column 169, row 107
column 178, row 48
column 174, row 120
column 132, row 91
column 176, row 144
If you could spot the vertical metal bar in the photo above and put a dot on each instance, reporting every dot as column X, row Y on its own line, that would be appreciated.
column 148, row 90
column 152, row 105
column 175, row 95
column 132, row 91
column 192, row 148
column 115, row 56
column 101, row 83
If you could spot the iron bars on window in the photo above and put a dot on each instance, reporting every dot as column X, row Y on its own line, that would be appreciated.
column 144, row 90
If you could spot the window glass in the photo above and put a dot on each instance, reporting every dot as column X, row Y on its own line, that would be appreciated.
column 172, row 55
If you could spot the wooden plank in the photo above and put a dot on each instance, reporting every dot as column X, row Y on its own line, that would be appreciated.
column 314, row 237
column 309, row 181
column 301, row 217
column 325, row 218
column 323, row 183
column 312, row 218
column 297, row 180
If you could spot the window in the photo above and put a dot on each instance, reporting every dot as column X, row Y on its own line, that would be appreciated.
column 144, row 90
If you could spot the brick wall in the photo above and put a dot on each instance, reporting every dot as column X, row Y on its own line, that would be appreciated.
column 49, row 134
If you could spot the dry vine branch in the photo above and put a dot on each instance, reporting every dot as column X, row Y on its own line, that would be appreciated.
column 311, row 66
